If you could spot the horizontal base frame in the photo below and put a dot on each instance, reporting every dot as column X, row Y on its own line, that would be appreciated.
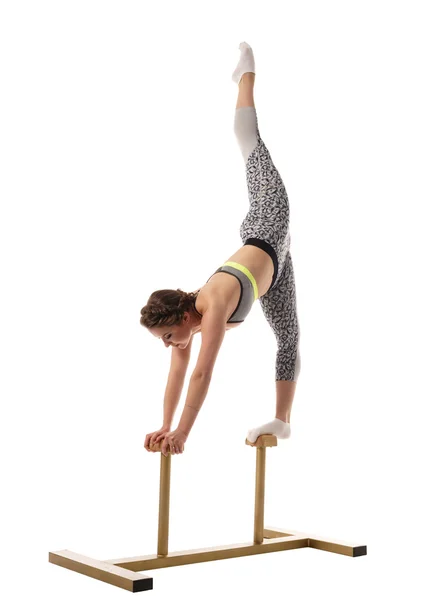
column 123, row 572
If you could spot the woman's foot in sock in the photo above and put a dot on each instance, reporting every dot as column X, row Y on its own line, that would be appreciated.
column 276, row 427
column 246, row 64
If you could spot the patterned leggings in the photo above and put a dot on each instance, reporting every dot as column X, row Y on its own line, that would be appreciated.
column 268, row 220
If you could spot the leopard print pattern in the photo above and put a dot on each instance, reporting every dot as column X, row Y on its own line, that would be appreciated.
column 268, row 219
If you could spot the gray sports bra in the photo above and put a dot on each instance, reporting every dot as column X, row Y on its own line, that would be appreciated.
column 248, row 289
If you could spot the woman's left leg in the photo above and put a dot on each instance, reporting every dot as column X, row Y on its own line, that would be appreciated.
column 280, row 309
column 279, row 306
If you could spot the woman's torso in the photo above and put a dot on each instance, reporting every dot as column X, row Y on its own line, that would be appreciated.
column 225, row 286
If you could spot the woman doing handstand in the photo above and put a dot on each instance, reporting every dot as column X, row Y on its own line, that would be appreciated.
column 261, row 269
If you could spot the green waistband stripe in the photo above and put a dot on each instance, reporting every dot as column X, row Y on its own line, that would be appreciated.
column 248, row 274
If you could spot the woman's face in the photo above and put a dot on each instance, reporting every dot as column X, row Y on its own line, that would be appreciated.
column 174, row 335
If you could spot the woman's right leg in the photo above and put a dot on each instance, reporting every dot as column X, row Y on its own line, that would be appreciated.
column 245, row 120
column 246, row 90
column 267, row 222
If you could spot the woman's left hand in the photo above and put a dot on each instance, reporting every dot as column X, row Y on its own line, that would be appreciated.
column 174, row 442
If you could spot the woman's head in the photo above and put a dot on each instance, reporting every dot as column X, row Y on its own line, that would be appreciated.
column 170, row 315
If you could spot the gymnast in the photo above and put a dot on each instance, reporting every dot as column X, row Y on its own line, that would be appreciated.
column 262, row 268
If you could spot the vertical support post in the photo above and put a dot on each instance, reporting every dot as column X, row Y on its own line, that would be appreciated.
column 259, row 516
column 266, row 440
column 163, row 513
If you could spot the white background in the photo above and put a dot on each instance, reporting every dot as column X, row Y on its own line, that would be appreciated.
column 121, row 175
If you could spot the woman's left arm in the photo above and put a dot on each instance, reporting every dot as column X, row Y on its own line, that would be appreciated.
column 197, row 391
column 213, row 329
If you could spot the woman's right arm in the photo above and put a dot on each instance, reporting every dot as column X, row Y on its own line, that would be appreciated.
column 176, row 378
column 179, row 365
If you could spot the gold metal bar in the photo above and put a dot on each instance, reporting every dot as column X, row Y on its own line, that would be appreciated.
column 163, row 512
column 272, row 533
column 122, row 572
column 337, row 547
column 102, row 570
column 186, row 557
column 321, row 543
column 267, row 440
column 261, row 443
column 259, row 515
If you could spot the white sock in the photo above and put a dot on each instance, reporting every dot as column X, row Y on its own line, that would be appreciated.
column 246, row 64
column 277, row 427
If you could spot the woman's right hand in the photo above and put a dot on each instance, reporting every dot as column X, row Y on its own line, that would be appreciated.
column 154, row 437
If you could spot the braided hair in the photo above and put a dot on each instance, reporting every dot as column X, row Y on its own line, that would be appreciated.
column 167, row 308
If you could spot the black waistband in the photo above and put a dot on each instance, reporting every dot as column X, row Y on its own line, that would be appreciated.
column 267, row 248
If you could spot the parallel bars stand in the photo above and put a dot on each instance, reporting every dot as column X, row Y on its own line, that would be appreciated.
column 123, row 572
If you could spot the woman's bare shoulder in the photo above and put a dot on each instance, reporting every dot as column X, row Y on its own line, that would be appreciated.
column 209, row 299
column 202, row 299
